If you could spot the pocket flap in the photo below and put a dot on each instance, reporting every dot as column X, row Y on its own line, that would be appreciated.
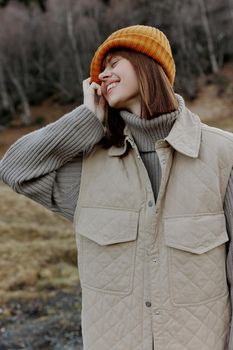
column 197, row 234
column 108, row 226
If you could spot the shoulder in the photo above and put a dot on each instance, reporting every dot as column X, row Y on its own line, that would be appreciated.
column 217, row 146
column 216, row 135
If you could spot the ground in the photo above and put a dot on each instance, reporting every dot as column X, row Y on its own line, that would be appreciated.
column 40, row 298
column 43, row 323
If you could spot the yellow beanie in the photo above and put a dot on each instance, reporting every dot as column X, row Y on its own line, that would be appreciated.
column 145, row 39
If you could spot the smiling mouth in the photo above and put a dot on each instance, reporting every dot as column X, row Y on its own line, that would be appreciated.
column 111, row 86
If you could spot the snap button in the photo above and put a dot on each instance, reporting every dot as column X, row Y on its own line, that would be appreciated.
column 157, row 313
column 150, row 203
column 155, row 260
column 161, row 142
column 148, row 303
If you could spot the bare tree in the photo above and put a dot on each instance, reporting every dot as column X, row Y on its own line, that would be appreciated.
column 25, row 115
column 73, row 41
column 209, row 38
column 5, row 99
column 50, row 53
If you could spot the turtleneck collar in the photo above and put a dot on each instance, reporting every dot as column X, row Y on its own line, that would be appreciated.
column 147, row 132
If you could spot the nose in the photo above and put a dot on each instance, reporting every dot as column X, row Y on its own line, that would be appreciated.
column 105, row 74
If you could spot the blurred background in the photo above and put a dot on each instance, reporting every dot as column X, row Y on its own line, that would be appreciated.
column 46, row 47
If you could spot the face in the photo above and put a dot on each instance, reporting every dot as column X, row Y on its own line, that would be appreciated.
column 119, row 84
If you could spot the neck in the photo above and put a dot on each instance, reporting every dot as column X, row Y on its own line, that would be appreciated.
column 147, row 132
column 134, row 108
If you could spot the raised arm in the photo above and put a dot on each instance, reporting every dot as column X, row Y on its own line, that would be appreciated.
column 45, row 165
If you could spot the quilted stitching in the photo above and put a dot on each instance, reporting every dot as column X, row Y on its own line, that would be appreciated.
column 197, row 278
column 98, row 224
column 107, row 179
column 203, row 327
column 122, row 322
column 103, row 320
column 108, row 268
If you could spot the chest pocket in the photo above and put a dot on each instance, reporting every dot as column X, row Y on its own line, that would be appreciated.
column 197, row 258
column 106, row 241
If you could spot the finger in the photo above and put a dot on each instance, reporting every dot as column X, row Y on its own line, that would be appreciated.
column 87, row 81
column 95, row 88
column 94, row 85
column 86, row 84
column 99, row 91
column 88, row 88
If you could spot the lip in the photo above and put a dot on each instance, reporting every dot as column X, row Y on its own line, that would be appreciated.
column 107, row 84
column 110, row 89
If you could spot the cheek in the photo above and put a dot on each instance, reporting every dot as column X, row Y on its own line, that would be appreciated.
column 131, row 81
column 133, row 86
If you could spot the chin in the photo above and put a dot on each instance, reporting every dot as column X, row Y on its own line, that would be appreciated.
column 116, row 104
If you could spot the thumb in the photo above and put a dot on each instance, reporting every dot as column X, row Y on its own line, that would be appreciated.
column 102, row 102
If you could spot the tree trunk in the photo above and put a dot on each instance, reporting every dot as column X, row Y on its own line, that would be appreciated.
column 26, row 113
column 230, row 10
column 210, row 45
column 3, row 91
column 71, row 36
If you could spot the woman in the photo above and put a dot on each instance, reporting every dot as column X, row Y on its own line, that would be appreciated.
column 148, row 187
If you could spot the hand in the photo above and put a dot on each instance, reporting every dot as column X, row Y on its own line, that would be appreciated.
column 93, row 99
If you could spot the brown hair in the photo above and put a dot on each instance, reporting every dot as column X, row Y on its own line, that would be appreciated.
column 157, row 94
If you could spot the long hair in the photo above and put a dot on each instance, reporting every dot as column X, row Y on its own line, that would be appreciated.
column 156, row 92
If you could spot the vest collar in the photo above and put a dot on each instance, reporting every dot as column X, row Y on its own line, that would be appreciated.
column 119, row 151
column 184, row 137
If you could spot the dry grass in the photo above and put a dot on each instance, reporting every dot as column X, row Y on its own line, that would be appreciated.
column 214, row 102
column 37, row 248
column 223, row 123
column 49, row 111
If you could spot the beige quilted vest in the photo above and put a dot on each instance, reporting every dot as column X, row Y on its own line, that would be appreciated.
column 153, row 276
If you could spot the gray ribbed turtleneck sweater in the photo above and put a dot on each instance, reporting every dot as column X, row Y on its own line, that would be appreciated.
column 46, row 164
column 145, row 134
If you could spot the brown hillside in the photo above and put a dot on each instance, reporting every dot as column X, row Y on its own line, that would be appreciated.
column 37, row 248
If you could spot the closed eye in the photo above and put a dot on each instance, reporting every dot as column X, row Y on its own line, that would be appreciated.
column 113, row 63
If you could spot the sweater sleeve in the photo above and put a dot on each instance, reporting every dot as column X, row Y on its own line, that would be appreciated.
column 228, row 210
column 46, row 164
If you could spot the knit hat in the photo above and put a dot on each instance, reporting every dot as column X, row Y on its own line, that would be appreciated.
column 145, row 39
